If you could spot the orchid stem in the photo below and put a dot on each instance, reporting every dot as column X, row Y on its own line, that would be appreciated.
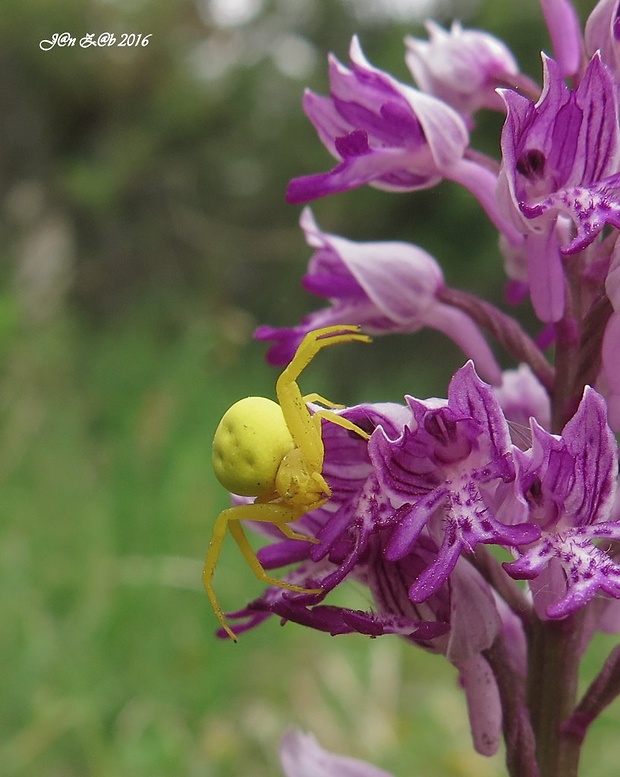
column 604, row 689
column 506, row 330
column 553, row 670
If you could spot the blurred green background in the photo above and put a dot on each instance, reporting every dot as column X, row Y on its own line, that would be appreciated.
column 144, row 235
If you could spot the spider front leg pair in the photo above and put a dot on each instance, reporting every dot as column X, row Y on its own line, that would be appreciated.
column 274, row 451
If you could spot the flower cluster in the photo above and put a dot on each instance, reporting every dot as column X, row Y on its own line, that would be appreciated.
column 450, row 503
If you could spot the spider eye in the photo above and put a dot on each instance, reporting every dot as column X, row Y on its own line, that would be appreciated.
column 249, row 444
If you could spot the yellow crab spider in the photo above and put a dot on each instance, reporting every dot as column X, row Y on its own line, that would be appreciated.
column 274, row 451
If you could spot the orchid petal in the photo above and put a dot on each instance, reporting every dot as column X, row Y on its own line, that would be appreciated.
column 302, row 756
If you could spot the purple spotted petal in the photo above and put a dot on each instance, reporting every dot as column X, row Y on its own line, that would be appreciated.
column 467, row 522
column 587, row 569
column 570, row 484
column 590, row 208
column 443, row 473
column 572, row 478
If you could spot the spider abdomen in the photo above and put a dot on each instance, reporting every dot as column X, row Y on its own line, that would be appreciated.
column 248, row 446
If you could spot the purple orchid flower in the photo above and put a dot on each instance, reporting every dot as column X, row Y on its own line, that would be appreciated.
column 302, row 756
column 461, row 67
column 351, row 529
column 382, row 131
column 460, row 620
column 392, row 136
column 458, row 616
column 444, row 473
column 560, row 163
column 569, row 483
column 344, row 527
column 385, row 288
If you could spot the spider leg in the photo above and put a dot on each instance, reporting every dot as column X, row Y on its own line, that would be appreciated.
column 322, row 401
column 333, row 417
column 236, row 530
column 340, row 421
column 212, row 557
column 314, row 342
column 229, row 519
column 305, row 432
column 293, row 535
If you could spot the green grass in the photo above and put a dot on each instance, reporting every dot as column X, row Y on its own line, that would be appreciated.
column 110, row 664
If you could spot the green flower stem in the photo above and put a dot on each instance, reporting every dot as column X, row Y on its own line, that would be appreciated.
column 553, row 670
column 591, row 342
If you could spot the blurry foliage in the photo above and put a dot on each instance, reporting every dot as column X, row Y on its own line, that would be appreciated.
column 167, row 164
